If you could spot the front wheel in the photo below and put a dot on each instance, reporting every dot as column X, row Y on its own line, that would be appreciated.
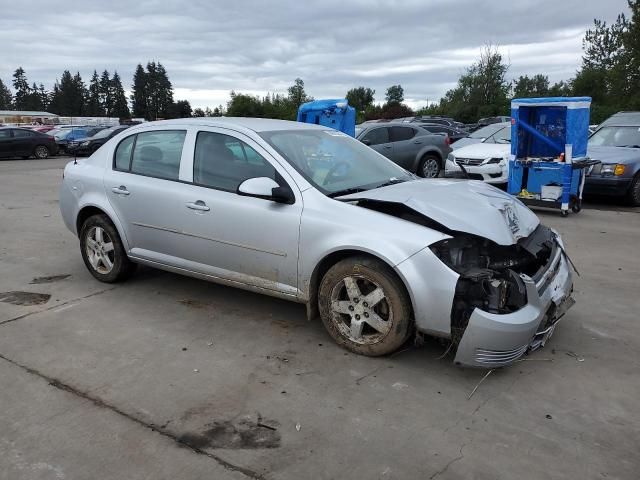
column 103, row 252
column 365, row 307
column 633, row 195
column 41, row 152
column 429, row 167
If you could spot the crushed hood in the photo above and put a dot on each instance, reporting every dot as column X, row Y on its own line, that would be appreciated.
column 461, row 205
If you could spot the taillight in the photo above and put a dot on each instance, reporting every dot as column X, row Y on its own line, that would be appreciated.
column 447, row 140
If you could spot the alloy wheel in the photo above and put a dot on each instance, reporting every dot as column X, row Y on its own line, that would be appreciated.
column 100, row 251
column 360, row 310
column 430, row 168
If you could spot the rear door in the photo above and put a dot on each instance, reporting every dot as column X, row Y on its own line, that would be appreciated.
column 144, row 188
column 22, row 142
column 405, row 145
column 378, row 139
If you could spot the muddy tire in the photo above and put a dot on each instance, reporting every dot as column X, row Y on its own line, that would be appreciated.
column 365, row 307
column 633, row 194
column 103, row 252
column 430, row 166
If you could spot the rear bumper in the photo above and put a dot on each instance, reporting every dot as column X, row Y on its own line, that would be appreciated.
column 492, row 340
column 612, row 186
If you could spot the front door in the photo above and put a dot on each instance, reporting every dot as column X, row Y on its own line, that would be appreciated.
column 243, row 239
column 6, row 141
column 378, row 139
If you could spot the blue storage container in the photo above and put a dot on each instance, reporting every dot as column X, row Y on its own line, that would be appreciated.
column 334, row 113
column 541, row 127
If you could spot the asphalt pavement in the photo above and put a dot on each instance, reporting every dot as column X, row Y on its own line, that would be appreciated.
column 166, row 377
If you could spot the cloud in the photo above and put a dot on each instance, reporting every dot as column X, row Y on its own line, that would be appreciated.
column 210, row 48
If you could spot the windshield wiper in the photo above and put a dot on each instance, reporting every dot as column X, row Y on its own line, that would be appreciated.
column 391, row 181
column 629, row 146
column 346, row 191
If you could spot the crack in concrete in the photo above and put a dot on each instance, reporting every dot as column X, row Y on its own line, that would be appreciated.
column 451, row 462
column 58, row 305
column 54, row 382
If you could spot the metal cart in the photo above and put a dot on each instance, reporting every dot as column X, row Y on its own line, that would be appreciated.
column 548, row 151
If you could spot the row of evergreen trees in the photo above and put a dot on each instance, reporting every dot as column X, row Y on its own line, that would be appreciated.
column 151, row 98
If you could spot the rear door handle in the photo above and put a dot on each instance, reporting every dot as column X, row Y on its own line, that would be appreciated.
column 387, row 146
column 198, row 205
column 121, row 190
column 417, row 142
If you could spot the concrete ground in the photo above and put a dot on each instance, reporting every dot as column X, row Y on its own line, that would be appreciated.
column 170, row 377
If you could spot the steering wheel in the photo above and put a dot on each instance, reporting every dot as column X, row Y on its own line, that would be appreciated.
column 331, row 173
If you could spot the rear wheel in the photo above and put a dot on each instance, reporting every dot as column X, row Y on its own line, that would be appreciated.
column 41, row 152
column 365, row 307
column 103, row 252
column 429, row 166
column 633, row 195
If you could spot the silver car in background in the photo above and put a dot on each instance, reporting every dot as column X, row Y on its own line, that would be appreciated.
column 308, row 214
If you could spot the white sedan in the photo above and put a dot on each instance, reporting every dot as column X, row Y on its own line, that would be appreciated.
column 487, row 161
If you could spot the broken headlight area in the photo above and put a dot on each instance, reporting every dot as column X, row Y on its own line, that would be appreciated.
column 490, row 273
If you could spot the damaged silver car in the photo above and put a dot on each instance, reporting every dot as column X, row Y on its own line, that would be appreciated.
column 309, row 214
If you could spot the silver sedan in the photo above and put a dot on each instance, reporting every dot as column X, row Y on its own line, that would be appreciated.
column 306, row 213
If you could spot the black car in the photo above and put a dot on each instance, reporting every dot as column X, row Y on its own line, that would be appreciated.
column 89, row 145
column 25, row 143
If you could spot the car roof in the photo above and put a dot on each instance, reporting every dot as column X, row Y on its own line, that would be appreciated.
column 246, row 123
column 622, row 119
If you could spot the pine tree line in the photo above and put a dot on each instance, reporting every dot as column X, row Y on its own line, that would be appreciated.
column 151, row 98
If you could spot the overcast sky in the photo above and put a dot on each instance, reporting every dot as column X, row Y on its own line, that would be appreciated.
column 209, row 48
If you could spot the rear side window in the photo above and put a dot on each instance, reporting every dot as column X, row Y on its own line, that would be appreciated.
column 157, row 154
column 377, row 136
column 22, row 134
column 223, row 162
column 122, row 159
column 5, row 134
column 398, row 134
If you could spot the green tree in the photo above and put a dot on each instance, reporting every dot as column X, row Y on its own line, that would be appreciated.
column 120, row 106
column 139, row 95
column 180, row 109
column 198, row 112
column 527, row 87
column 94, row 107
column 106, row 94
column 395, row 94
column 23, row 91
column 242, row 105
column 631, row 57
column 6, row 98
column 297, row 94
column 360, row 98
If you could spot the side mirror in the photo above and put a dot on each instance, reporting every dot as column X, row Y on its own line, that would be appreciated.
column 266, row 188
column 366, row 141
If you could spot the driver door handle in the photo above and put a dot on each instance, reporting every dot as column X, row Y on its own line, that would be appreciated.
column 198, row 205
column 386, row 146
column 417, row 142
column 121, row 190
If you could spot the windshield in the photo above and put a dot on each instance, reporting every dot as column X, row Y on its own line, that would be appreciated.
column 333, row 162
column 487, row 131
column 104, row 133
column 616, row 137
column 501, row 136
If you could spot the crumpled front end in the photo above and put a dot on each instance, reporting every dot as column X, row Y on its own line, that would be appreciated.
column 508, row 299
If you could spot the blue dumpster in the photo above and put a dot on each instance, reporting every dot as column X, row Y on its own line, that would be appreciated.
column 548, row 151
column 334, row 113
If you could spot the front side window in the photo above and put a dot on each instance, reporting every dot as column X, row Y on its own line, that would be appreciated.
column 376, row 136
column 4, row 134
column 157, row 154
column 223, row 162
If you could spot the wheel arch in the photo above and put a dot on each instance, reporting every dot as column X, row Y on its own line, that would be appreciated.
column 328, row 261
column 428, row 150
column 90, row 210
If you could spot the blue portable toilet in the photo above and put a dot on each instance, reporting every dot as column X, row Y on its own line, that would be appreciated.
column 541, row 127
column 334, row 113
